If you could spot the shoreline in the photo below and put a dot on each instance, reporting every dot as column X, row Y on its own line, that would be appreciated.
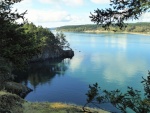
column 98, row 32
column 12, row 103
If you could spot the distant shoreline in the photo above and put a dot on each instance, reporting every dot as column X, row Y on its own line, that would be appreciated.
column 98, row 32
column 141, row 28
column 147, row 34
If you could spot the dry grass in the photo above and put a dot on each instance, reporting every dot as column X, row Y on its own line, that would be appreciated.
column 14, row 104
column 3, row 93
column 58, row 105
column 55, row 108
column 48, row 108
column 10, row 103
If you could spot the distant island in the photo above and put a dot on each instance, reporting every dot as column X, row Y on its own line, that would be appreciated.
column 140, row 27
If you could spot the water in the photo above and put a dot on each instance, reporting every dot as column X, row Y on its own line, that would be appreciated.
column 112, row 60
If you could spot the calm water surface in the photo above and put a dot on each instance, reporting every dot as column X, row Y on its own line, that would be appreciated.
column 112, row 60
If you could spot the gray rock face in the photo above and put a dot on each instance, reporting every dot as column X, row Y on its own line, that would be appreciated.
column 68, row 53
column 17, row 88
column 49, row 54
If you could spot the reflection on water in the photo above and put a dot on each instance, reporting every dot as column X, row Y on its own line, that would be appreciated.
column 76, row 63
column 115, row 61
column 118, row 66
column 119, row 41
column 42, row 72
column 110, row 59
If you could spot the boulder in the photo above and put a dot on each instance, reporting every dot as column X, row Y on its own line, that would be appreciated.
column 17, row 88
column 48, row 54
column 68, row 53
column 10, row 103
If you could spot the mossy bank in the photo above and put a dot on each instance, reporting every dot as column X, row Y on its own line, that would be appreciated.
column 11, row 103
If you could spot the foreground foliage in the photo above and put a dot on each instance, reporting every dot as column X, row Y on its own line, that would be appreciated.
column 20, row 42
column 11, row 103
column 14, row 41
column 132, row 99
column 119, row 12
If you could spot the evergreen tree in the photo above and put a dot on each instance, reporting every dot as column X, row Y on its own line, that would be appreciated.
column 120, row 11
column 14, row 41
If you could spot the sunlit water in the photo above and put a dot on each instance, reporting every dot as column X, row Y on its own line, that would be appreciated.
column 114, row 61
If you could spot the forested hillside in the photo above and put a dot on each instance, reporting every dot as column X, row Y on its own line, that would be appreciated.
column 142, row 27
column 22, row 42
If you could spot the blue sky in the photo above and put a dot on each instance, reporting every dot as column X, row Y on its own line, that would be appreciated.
column 55, row 13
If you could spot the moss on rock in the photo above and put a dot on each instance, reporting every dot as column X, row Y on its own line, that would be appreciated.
column 10, row 103
column 17, row 88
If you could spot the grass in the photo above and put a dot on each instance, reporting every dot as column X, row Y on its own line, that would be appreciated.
column 14, row 104
column 48, row 108
column 57, row 107
column 3, row 93
column 10, row 103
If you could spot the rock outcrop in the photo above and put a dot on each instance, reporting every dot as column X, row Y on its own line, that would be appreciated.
column 53, row 54
column 10, row 103
column 68, row 54
column 17, row 88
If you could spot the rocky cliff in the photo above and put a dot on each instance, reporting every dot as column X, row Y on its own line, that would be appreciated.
column 52, row 54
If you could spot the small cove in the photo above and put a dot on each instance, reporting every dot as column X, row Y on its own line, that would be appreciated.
column 115, row 61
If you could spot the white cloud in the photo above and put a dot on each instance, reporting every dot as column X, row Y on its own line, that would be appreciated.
column 73, row 2
column 49, row 1
column 25, row 4
column 100, row 1
column 145, row 17
column 57, row 14
column 44, row 16
column 51, row 18
column 47, row 17
column 54, row 16
column 64, row 2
